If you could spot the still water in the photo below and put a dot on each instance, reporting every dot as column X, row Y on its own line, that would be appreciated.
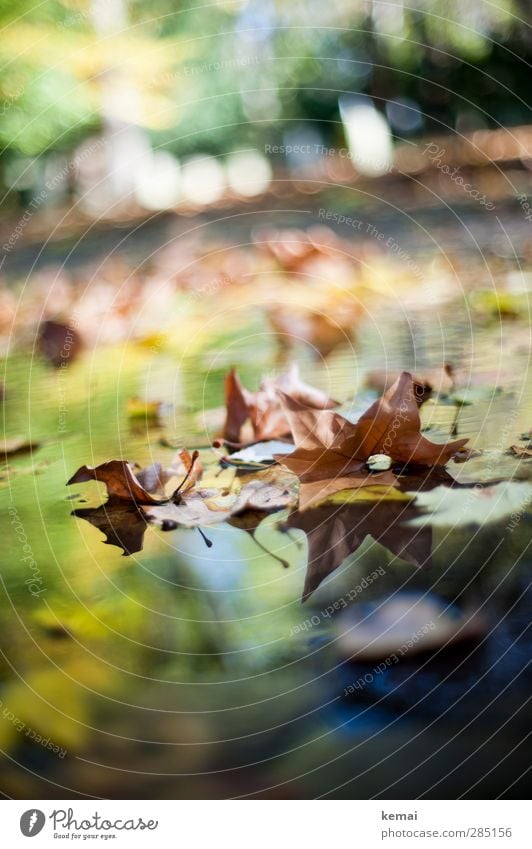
column 187, row 671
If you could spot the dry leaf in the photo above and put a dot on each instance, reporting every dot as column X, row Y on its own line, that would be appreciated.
column 153, row 485
column 59, row 343
column 263, row 408
column 210, row 506
column 331, row 452
column 521, row 451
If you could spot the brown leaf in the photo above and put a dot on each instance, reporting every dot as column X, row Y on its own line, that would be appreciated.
column 236, row 404
column 210, row 506
column 59, row 343
column 522, row 451
column 120, row 480
column 331, row 452
column 291, row 247
column 153, row 485
column 263, row 408
column 322, row 332
column 392, row 426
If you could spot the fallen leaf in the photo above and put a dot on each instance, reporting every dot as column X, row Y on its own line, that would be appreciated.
column 210, row 506
column 322, row 332
column 120, row 480
column 521, row 451
column 201, row 507
column 292, row 247
column 153, row 485
column 59, row 343
column 258, row 456
column 331, row 452
column 263, row 407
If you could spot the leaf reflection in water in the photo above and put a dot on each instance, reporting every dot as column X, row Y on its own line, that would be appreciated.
column 335, row 531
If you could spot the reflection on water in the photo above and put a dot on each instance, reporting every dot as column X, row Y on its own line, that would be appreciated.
column 189, row 670
column 333, row 533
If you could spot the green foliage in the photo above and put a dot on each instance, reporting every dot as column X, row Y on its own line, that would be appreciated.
column 227, row 79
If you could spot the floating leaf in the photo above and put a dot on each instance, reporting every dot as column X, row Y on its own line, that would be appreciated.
column 210, row 506
column 521, row 451
column 153, row 485
column 263, row 407
column 331, row 452
column 120, row 480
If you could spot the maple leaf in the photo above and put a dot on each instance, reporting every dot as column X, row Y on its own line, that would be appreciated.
column 152, row 485
column 263, row 408
column 522, row 451
column 210, row 506
column 171, row 498
column 331, row 452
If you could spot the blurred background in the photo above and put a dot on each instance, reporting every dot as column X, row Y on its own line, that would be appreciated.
column 186, row 188
column 123, row 107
